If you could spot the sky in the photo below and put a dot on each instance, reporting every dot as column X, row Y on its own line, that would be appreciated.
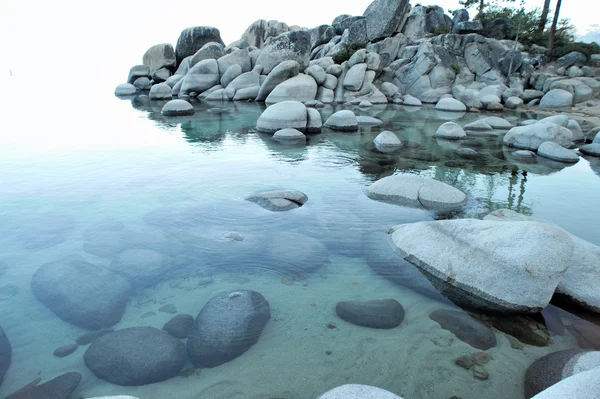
column 95, row 43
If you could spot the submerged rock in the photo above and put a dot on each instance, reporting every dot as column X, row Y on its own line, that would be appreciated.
column 80, row 293
column 142, row 267
column 342, row 120
column 521, row 328
column 416, row 191
column 591, row 149
column 450, row 131
column 355, row 391
column 296, row 254
column 377, row 313
column 532, row 136
column 60, row 387
column 289, row 136
column 493, row 266
column 179, row 326
column 557, row 152
column 125, row 89
column 387, row 141
column 278, row 201
column 65, row 350
column 135, row 356
column 5, row 354
column 227, row 326
column 285, row 114
column 177, row 108
column 465, row 328
column 554, row 367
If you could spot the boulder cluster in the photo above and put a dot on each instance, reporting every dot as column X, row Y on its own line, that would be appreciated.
column 392, row 53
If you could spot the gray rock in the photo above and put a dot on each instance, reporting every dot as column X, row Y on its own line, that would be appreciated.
column 575, row 128
column 335, row 70
column 60, row 387
column 355, row 77
column 296, row 254
column 461, row 15
column 412, row 101
column 368, row 120
column 226, row 327
column 243, row 81
column 279, row 201
column 384, row 17
column 415, row 23
column 387, row 141
column 377, row 313
column 138, row 71
column 450, row 131
column 142, row 83
column 585, row 385
column 532, row 136
column 282, row 72
column 65, row 351
column 5, row 354
column 389, row 89
column 286, row 114
column 497, row 123
column 200, row 77
column 80, row 293
column 510, row 62
column 192, row 39
column 288, row 136
column 416, row 191
column 142, row 267
column 450, row 104
column 467, row 27
column 288, row 46
column 314, row 123
column 523, row 154
column 125, row 89
column 342, row 120
column 556, row 98
column 160, row 56
column 177, row 108
column 184, row 66
column 236, row 57
column 320, row 35
column 467, row 153
column 212, row 50
column 529, row 95
column 247, row 93
column 557, row 152
column 479, row 126
column 574, row 72
column 356, row 391
column 161, row 75
column 135, row 356
column 573, row 58
column 513, row 102
column 299, row 88
column 465, row 328
column 527, row 261
column 436, row 20
column 161, row 91
column 173, row 80
column 317, row 73
column 590, row 149
column 330, row 82
column 230, row 74
column 554, row 367
column 179, row 326
column 499, row 28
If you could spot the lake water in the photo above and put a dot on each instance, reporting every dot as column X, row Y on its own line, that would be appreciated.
column 118, row 170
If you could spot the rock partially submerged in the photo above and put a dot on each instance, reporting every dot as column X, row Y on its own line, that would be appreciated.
column 285, row 114
column 355, row 391
column 532, row 136
column 377, row 313
column 416, row 191
column 557, row 152
column 177, row 108
column 227, row 326
column 342, row 120
column 387, row 141
column 279, row 201
column 287, row 136
column 465, row 328
column 493, row 266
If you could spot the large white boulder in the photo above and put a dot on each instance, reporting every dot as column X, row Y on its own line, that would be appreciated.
column 532, row 136
column 557, row 152
column 450, row 131
column 286, row 114
column 282, row 72
column 582, row 279
column 356, row 391
column 584, row 385
column 125, row 89
column 299, row 88
column 450, row 104
column 416, row 191
column 201, row 77
column 342, row 120
column 556, row 98
column 488, row 265
column 355, row 77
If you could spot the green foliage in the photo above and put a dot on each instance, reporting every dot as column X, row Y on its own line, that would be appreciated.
column 585, row 48
column 347, row 52
column 456, row 68
column 441, row 30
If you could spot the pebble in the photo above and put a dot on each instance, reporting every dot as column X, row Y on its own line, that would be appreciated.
column 170, row 308
column 65, row 350
column 148, row 314
column 480, row 373
column 331, row 325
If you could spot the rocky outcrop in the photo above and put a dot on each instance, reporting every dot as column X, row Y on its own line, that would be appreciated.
column 523, row 266
column 288, row 46
column 192, row 39
column 86, row 295
column 226, row 327
column 384, row 18
column 135, row 356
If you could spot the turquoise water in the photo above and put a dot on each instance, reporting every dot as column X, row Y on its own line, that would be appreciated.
column 118, row 175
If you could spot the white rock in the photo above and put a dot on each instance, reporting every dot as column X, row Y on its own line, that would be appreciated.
column 317, row 73
column 556, row 98
column 289, row 135
column 416, row 191
column 389, row 89
column 342, row 120
column 532, row 136
column 330, row 82
column 173, row 80
column 411, row 101
column 314, row 122
column 575, row 128
column 523, row 154
column 479, row 126
column 494, row 266
column 125, row 89
column 450, row 104
column 177, row 108
column 230, row 74
column 161, row 91
column 201, row 77
column 299, row 88
column 365, row 104
column 282, row 72
column 489, row 99
column 355, row 391
column 584, row 385
column 562, row 120
column 590, row 149
column 368, row 120
column 325, row 95
column 355, row 77
column 557, row 152
column 497, row 123
column 142, row 83
column 286, row 114
column 513, row 102
column 450, row 131
column 387, row 141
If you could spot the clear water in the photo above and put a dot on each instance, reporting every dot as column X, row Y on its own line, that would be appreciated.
column 119, row 170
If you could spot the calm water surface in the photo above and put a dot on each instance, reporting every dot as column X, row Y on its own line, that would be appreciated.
column 118, row 170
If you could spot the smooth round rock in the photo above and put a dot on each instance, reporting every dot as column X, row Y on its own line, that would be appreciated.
column 556, row 98
column 591, row 149
column 285, row 114
column 161, row 91
column 450, row 131
column 179, row 326
column 479, row 126
column 497, row 123
column 368, row 120
column 135, row 356
column 342, row 120
column 377, row 313
column 125, row 89
column 557, row 152
column 177, row 108
column 451, row 105
column 387, row 141
column 289, row 135
column 355, row 391
column 65, row 350
column 411, row 101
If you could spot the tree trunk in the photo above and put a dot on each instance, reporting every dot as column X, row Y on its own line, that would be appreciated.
column 481, row 6
column 553, row 28
column 544, row 17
